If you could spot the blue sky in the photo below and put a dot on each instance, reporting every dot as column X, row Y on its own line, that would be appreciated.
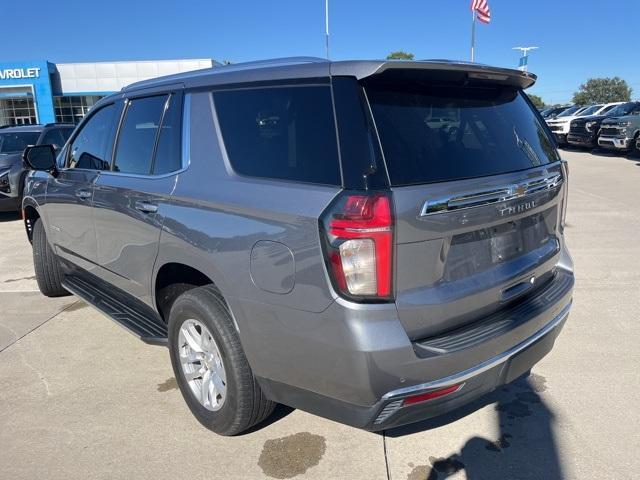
column 577, row 39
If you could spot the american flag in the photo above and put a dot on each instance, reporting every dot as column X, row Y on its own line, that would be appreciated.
column 481, row 7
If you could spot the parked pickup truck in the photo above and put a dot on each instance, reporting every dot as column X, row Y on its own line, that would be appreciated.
column 584, row 131
column 560, row 124
column 623, row 131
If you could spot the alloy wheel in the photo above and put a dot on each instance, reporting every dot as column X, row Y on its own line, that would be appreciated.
column 202, row 364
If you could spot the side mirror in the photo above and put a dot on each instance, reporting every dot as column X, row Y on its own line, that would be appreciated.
column 40, row 157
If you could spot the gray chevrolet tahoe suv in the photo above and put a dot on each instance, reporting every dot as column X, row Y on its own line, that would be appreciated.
column 13, row 140
column 375, row 242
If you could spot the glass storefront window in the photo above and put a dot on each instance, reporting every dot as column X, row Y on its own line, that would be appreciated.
column 17, row 111
column 71, row 109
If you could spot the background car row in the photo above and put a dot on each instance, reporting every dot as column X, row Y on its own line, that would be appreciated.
column 611, row 126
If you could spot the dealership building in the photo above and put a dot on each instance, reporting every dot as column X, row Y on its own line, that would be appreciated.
column 45, row 92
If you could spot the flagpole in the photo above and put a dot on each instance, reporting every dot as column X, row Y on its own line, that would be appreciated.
column 473, row 34
column 326, row 25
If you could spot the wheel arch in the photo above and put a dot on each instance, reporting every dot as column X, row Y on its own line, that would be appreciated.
column 172, row 279
column 30, row 213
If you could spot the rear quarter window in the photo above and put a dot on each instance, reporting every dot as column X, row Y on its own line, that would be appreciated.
column 436, row 134
column 283, row 133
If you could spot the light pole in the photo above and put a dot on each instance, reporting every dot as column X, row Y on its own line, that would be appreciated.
column 326, row 26
column 524, row 60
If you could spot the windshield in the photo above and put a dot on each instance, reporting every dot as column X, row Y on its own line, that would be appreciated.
column 621, row 110
column 439, row 133
column 548, row 112
column 16, row 142
column 590, row 110
column 606, row 109
column 569, row 111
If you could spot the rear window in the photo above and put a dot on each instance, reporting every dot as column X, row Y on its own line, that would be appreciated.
column 284, row 133
column 437, row 134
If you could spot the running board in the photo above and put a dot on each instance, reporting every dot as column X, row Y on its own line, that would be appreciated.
column 137, row 319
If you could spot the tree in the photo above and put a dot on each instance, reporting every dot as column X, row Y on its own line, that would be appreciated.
column 603, row 90
column 400, row 55
column 536, row 100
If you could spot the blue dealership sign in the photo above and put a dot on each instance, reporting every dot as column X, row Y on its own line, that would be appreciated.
column 36, row 78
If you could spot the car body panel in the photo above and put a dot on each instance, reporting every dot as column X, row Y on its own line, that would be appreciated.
column 128, row 230
column 69, row 212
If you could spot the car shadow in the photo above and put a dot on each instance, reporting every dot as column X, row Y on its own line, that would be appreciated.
column 632, row 155
column 525, row 447
column 9, row 216
column 573, row 148
column 278, row 414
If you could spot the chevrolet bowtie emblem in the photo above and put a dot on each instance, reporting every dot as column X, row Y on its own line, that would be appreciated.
column 519, row 190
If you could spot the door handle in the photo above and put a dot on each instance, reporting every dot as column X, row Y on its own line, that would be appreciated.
column 83, row 194
column 146, row 207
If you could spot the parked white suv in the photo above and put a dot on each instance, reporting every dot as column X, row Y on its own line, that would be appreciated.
column 561, row 124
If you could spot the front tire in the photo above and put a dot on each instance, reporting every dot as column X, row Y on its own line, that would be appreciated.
column 210, row 366
column 46, row 264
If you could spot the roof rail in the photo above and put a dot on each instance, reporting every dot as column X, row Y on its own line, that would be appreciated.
column 233, row 67
column 273, row 62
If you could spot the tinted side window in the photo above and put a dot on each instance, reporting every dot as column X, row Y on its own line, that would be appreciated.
column 168, row 153
column 91, row 148
column 285, row 133
column 53, row 137
column 66, row 133
column 138, row 135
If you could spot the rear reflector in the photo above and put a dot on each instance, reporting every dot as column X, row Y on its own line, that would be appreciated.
column 423, row 397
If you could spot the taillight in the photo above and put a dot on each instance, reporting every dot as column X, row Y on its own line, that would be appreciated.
column 358, row 230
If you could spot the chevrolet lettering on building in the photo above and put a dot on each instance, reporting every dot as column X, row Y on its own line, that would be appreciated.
column 15, row 73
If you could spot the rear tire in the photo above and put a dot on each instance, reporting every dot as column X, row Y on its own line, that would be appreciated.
column 46, row 264
column 200, row 320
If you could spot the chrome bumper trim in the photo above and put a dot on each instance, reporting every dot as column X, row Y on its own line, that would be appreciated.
column 616, row 142
column 481, row 367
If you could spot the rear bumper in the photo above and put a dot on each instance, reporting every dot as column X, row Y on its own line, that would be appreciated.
column 615, row 143
column 475, row 381
column 366, row 384
column 390, row 412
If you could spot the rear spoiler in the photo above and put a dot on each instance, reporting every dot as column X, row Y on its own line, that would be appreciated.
column 433, row 71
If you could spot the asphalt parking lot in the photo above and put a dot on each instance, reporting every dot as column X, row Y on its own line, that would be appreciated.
column 81, row 398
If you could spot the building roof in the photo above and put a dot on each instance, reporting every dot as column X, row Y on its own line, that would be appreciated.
column 102, row 77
